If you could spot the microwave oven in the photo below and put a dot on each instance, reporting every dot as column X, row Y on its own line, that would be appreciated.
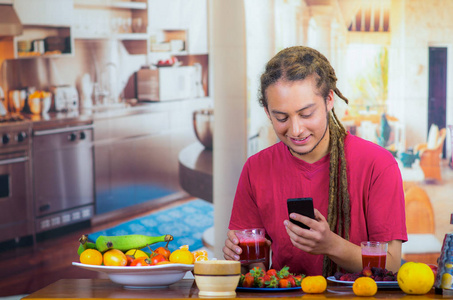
column 165, row 83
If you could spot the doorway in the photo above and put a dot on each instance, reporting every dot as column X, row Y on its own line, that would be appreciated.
column 437, row 89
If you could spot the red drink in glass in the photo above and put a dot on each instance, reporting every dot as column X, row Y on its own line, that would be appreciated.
column 252, row 250
column 253, row 245
column 374, row 260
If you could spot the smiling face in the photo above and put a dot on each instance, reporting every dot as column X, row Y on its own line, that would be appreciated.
column 299, row 115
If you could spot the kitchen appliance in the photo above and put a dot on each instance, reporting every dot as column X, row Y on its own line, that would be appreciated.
column 16, row 205
column 65, row 98
column 16, row 100
column 166, row 83
column 203, row 125
column 63, row 184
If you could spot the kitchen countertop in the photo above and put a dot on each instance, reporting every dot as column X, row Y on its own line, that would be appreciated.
column 186, row 288
column 88, row 116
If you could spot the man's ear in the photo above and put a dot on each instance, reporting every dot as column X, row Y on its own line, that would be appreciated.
column 329, row 100
column 267, row 113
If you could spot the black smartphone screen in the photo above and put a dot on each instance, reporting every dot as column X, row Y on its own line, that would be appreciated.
column 301, row 206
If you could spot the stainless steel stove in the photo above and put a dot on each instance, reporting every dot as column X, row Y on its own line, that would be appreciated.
column 16, row 205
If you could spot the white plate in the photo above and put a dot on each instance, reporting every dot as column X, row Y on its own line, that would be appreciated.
column 381, row 284
column 142, row 277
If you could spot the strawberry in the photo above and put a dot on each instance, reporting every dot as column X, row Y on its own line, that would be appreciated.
column 284, row 283
column 259, row 282
column 273, row 282
column 271, row 272
column 249, row 280
column 291, row 280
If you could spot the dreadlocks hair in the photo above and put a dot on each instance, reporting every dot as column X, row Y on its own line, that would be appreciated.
column 298, row 63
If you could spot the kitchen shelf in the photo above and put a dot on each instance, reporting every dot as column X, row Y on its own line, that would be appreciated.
column 111, row 4
column 131, row 36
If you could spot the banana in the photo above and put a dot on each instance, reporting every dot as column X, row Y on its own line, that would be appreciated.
column 127, row 242
column 84, row 244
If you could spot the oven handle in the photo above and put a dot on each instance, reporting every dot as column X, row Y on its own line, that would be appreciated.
column 62, row 130
column 13, row 160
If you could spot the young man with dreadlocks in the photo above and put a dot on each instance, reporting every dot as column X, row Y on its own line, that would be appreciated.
column 356, row 185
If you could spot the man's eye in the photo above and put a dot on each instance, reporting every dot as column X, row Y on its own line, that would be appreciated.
column 282, row 119
column 306, row 116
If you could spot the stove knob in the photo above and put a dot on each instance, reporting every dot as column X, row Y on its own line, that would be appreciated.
column 21, row 136
column 5, row 139
column 72, row 137
column 82, row 135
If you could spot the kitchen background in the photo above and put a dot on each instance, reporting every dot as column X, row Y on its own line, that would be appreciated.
column 110, row 97
column 120, row 137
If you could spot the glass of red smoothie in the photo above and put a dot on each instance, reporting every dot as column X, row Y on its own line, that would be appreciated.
column 374, row 254
column 253, row 244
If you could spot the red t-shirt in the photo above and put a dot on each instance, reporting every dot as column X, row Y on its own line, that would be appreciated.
column 273, row 175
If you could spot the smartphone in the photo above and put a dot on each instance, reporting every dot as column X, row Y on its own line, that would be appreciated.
column 301, row 206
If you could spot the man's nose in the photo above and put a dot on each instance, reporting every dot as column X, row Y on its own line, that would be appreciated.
column 296, row 127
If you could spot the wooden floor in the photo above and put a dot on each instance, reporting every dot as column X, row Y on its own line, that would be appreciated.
column 26, row 267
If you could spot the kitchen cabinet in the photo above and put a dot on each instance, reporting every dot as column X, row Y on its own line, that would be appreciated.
column 123, row 20
column 47, row 28
column 136, row 154
column 185, row 15
column 55, row 13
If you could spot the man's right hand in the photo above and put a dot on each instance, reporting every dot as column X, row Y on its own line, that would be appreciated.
column 231, row 250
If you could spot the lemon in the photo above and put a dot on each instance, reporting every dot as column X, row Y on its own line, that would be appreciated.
column 415, row 278
column 136, row 253
column 182, row 256
column 364, row 286
column 447, row 280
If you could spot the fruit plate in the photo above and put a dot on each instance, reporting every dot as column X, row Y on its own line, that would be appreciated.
column 251, row 289
column 380, row 284
column 142, row 277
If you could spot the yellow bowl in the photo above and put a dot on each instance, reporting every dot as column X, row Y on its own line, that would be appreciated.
column 217, row 278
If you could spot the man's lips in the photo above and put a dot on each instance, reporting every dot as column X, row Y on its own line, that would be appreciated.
column 300, row 141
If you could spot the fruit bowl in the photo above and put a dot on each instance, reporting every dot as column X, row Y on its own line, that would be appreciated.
column 142, row 277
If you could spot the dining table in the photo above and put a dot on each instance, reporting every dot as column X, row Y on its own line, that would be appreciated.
column 99, row 288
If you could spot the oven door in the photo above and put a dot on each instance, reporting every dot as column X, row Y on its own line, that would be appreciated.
column 16, row 212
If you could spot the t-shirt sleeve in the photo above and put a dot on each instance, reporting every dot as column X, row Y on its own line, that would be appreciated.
column 386, row 219
column 245, row 213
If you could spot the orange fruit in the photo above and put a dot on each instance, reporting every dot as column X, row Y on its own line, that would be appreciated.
column 364, row 286
column 198, row 253
column 201, row 258
column 415, row 278
column 182, row 256
column 91, row 257
column 115, row 257
column 314, row 284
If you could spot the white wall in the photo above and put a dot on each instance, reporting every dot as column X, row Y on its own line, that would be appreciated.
column 416, row 26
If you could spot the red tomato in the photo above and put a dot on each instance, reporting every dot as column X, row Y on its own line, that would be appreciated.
column 157, row 258
column 141, row 261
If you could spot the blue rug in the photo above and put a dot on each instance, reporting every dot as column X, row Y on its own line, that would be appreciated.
column 185, row 222
column 109, row 200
